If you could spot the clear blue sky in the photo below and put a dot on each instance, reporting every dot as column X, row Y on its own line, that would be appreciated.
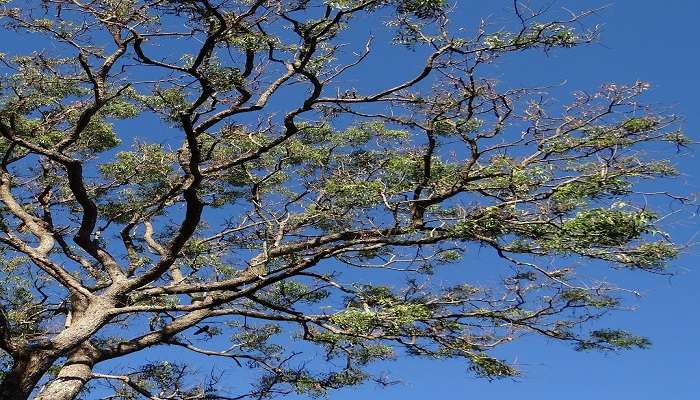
column 641, row 40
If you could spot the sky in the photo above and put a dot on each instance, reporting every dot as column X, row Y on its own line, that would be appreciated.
column 641, row 40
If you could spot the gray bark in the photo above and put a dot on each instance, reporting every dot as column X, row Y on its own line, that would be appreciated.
column 24, row 375
column 72, row 377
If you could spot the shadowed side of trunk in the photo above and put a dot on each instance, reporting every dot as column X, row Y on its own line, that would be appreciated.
column 26, row 372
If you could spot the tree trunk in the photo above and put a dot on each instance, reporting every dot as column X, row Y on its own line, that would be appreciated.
column 24, row 375
column 30, row 366
column 72, row 377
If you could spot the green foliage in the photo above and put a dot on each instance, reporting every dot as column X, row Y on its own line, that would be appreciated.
column 489, row 367
column 251, row 41
column 279, row 201
column 613, row 340
column 458, row 126
column 120, row 109
column 389, row 314
column 576, row 194
column 490, row 224
column 360, row 193
column 288, row 293
column 365, row 354
column 318, row 386
column 258, row 339
column 98, row 136
column 149, row 164
column 652, row 255
column 637, row 125
column 356, row 321
column 223, row 78
column 546, row 35
column 167, row 101
column 601, row 227
column 164, row 376
column 20, row 307
column 586, row 297
column 421, row 8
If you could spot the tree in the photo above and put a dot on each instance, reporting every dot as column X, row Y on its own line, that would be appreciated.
column 287, row 212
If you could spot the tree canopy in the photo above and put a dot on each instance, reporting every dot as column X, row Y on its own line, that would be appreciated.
column 200, row 176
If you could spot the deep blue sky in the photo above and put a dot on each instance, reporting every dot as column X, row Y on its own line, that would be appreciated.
column 641, row 40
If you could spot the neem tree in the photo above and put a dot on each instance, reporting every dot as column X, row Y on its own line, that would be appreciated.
column 238, row 229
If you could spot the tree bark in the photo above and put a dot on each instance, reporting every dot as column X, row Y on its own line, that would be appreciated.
column 72, row 377
column 25, row 374
column 32, row 364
